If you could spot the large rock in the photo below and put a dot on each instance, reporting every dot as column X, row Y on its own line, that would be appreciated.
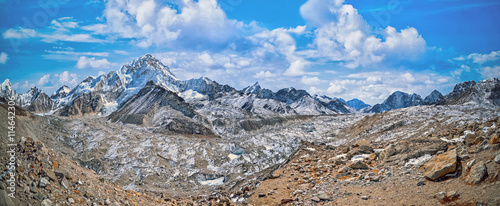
column 5, row 199
column 362, row 149
column 359, row 165
column 476, row 173
column 441, row 165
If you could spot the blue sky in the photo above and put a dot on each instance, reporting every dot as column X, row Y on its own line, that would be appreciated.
column 350, row 49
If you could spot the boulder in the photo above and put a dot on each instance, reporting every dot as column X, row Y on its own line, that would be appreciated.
column 476, row 174
column 440, row 165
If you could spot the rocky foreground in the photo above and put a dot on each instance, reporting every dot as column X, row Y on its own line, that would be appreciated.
column 456, row 166
column 450, row 166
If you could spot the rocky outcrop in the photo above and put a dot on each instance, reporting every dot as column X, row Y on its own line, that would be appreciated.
column 42, row 103
column 156, row 106
column 84, row 104
column 441, row 165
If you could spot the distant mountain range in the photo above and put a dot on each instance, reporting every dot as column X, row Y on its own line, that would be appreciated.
column 148, row 84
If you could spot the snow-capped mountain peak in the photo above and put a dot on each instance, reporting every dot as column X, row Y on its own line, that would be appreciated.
column 434, row 97
column 357, row 104
column 252, row 89
column 398, row 100
column 6, row 89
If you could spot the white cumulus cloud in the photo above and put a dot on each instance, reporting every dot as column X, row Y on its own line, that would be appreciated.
column 85, row 62
column 44, row 80
column 67, row 78
column 342, row 34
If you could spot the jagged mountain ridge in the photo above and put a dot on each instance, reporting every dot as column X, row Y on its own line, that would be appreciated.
column 115, row 88
column 106, row 94
column 34, row 100
column 485, row 93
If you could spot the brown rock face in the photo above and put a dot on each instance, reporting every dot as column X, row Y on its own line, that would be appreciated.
column 441, row 165
column 494, row 139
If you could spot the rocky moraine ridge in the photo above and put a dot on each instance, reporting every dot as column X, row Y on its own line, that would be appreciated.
column 141, row 136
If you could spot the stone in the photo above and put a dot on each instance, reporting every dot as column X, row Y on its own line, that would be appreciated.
column 323, row 196
column 65, row 183
column 497, row 159
column 476, row 173
column 60, row 173
column 440, row 195
column 440, row 165
column 315, row 199
column 275, row 175
column 43, row 182
column 388, row 151
column 359, row 165
column 46, row 202
column 372, row 156
column 70, row 200
column 494, row 139
column 262, row 195
column 107, row 201
column 285, row 201
column 364, row 197
column 444, row 197
column 34, row 189
column 5, row 199
column 420, row 183
column 49, row 173
column 363, row 149
column 471, row 163
column 298, row 192
column 469, row 138
column 39, row 196
column 345, row 169
column 341, row 175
